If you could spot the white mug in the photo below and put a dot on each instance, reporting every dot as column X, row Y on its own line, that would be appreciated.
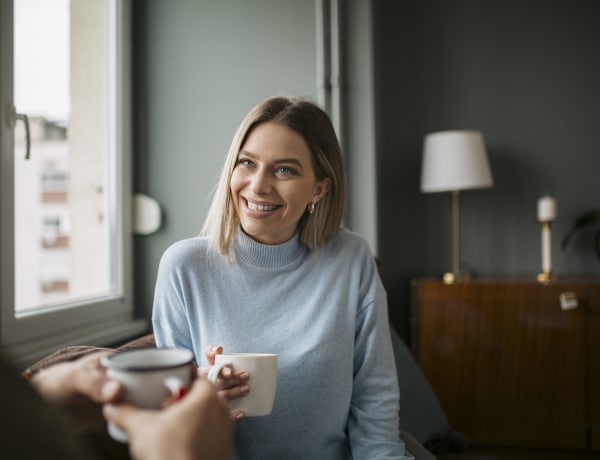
column 149, row 377
column 262, row 368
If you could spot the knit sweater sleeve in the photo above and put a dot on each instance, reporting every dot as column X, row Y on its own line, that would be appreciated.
column 373, row 423
column 169, row 317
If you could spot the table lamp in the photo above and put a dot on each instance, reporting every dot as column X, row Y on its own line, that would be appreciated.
column 454, row 161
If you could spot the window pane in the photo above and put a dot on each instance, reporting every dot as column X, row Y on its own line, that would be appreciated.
column 63, row 243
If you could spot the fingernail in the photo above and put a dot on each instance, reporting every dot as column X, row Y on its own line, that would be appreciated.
column 244, row 376
column 226, row 372
column 245, row 389
column 239, row 416
column 110, row 389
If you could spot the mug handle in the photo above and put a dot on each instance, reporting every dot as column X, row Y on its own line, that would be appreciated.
column 213, row 373
column 176, row 386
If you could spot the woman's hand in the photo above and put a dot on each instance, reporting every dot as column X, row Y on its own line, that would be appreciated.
column 230, row 385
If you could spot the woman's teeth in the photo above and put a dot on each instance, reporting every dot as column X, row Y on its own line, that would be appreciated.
column 260, row 207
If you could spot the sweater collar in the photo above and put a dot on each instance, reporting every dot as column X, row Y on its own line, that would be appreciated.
column 267, row 255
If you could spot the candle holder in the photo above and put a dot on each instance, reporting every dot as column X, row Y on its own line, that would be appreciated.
column 546, row 214
column 546, row 274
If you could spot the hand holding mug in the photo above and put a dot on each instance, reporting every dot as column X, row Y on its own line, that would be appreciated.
column 230, row 384
column 262, row 370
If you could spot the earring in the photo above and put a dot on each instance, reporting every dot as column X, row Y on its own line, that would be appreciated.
column 311, row 208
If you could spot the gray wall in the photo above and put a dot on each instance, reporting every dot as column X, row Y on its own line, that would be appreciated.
column 525, row 73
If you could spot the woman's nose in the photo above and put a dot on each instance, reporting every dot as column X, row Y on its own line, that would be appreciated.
column 261, row 182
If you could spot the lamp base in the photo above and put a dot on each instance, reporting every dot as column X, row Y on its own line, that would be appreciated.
column 545, row 277
column 451, row 278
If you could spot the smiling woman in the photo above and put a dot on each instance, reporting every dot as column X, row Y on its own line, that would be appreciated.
column 275, row 272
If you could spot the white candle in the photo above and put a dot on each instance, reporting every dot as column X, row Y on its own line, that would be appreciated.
column 546, row 208
column 546, row 250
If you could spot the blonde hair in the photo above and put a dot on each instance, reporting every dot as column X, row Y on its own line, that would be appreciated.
column 315, row 127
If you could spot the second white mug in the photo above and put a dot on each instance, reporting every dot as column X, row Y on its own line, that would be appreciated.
column 262, row 368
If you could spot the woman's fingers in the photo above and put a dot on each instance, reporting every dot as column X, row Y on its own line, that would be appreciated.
column 234, row 392
column 211, row 351
column 229, row 384
column 230, row 379
column 227, row 378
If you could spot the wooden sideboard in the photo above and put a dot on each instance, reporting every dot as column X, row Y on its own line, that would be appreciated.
column 511, row 364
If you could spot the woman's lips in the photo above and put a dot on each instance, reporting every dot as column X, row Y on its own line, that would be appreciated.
column 260, row 210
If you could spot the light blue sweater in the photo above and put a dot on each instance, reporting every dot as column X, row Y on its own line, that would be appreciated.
column 324, row 312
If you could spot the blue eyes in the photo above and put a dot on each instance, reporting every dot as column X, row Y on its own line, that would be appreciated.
column 286, row 171
column 279, row 170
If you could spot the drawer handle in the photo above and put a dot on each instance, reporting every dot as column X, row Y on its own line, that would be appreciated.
column 568, row 301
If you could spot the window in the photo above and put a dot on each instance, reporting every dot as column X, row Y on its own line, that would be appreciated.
column 65, row 194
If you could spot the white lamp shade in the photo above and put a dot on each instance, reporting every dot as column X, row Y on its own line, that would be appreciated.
column 454, row 160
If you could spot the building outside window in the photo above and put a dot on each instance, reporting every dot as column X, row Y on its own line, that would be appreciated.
column 65, row 203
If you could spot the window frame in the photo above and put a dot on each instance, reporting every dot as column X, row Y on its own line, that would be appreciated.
column 101, row 321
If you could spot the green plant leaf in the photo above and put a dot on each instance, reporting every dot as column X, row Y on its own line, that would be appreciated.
column 586, row 219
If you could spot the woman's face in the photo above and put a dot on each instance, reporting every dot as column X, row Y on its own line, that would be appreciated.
column 273, row 182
